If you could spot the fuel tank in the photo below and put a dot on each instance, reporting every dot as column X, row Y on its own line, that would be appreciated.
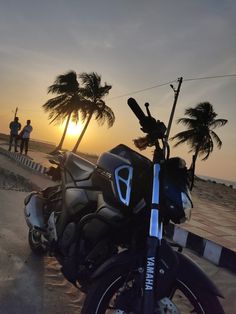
column 124, row 176
column 78, row 168
column 78, row 200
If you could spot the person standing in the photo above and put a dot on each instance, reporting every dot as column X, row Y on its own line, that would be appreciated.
column 25, row 136
column 14, row 126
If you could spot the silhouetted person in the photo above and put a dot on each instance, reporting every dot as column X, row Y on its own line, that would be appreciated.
column 25, row 136
column 14, row 126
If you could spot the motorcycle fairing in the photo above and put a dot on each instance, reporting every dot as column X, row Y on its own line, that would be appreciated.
column 120, row 174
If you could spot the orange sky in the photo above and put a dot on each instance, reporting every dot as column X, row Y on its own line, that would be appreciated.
column 126, row 128
column 133, row 48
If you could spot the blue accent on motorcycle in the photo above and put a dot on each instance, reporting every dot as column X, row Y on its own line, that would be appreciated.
column 155, row 188
column 123, row 179
column 155, row 229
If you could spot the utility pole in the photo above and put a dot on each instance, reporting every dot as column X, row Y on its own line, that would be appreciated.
column 176, row 91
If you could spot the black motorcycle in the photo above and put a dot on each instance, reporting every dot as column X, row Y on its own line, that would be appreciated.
column 105, row 224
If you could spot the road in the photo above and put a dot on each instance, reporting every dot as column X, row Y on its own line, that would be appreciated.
column 29, row 284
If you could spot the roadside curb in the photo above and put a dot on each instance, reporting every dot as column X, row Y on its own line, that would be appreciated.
column 213, row 252
column 28, row 163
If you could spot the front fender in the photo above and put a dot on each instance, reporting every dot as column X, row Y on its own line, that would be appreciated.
column 182, row 268
column 126, row 258
column 130, row 258
column 189, row 272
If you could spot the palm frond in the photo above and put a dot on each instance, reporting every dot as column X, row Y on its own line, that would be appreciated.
column 185, row 135
column 190, row 123
column 200, row 121
column 66, row 83
column 54, row 102
column 218, row 123
column 216, row 139
column 206, row 149
column 92, row 86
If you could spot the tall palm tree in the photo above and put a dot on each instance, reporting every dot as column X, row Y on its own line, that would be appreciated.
column 200, row 122
column 94, row 92
column 67, row 105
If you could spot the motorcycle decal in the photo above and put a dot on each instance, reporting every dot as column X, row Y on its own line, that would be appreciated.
column 123, row 179
column 150, row 270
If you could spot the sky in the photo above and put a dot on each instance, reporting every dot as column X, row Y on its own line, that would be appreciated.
column 133, row 45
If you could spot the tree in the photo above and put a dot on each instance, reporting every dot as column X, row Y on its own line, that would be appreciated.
column 200, row 122
column 67, row 105
column 94, row 92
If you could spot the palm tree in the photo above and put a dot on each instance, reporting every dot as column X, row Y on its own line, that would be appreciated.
column 94, row 92
column 200, row 123
column 67, row 105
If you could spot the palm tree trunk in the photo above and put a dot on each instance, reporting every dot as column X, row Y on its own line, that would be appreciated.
column 59, row 146
column 82, row 133
column 192, row 169
column 193, row 166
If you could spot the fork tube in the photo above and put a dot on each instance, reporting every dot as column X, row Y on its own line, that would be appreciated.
column 153, row 242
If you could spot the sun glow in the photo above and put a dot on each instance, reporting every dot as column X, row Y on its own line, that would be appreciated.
column 73, row 129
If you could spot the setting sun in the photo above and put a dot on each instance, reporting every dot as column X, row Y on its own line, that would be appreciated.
column 73, row 129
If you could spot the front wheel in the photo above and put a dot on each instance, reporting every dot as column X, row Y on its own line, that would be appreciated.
column 35, row 242
column 117, row 292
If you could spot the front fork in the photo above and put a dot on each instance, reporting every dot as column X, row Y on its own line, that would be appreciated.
column 153, row 243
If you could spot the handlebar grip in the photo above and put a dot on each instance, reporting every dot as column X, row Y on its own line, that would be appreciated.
column 136, row 109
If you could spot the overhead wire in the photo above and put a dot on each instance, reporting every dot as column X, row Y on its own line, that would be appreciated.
column 143, row 90
column 209, row 77
column 170, row 82
column 160, row 85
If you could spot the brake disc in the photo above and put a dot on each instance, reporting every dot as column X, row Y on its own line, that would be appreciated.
column 166, row 304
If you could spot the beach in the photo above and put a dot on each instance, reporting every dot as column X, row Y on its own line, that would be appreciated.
column 211, row 191
column 214, row 213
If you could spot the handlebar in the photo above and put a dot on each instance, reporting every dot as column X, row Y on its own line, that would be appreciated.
column 136, row 110
column 155, row 128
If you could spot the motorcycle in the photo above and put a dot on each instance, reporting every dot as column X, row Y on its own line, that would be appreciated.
column 105, row 224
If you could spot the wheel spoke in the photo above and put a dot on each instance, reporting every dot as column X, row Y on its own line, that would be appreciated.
column 117, row 293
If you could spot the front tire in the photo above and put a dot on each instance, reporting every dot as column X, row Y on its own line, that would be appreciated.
column 105, row 296
column 35, row 242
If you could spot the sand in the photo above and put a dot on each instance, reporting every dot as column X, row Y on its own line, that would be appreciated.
column 220, row 194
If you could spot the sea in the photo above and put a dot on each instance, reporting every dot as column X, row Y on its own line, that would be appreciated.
column 217, row 180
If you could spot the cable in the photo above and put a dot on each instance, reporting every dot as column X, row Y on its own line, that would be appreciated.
column 143, row 90
column 209, row 77
column 167, row 83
